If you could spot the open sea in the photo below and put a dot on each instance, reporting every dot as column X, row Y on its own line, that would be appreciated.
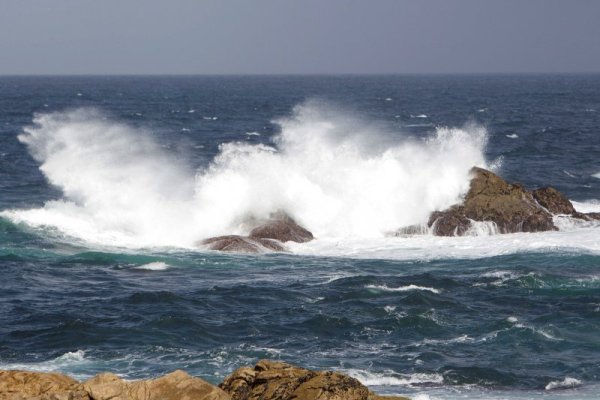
column 108, row 184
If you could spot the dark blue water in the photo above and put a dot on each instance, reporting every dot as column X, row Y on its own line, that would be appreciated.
column 513, row 316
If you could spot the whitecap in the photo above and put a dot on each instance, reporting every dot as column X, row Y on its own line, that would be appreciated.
column 566, row 383
column 408, row 288
column 252, row 133
column 154, row 266
column 391, row 378
column 419, row 116
column 596, row 175
column 512, row 136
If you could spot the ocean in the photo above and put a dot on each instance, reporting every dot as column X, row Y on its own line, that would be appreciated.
column 109, row 184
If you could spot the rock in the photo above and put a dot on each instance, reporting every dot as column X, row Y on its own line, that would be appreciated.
column 553, row 200
column 283, row 228
column 177, row 385
column 242, row 244
column 267, row 380
column 490, row 198
column 451, row 222
column 267, row 235
column 271, row 380
column 17, row 385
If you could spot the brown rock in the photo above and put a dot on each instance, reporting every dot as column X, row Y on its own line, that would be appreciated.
column 271, row 380
column 553, row 200
column 17, row 385
column 283, row 228
column 242, row 244
column 177, row 385
column 491, row 198
column 451, row 222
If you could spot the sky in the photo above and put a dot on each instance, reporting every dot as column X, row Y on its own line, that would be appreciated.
column 298, row 37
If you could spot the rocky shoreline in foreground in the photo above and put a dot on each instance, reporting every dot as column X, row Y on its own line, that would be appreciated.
column 267, row 380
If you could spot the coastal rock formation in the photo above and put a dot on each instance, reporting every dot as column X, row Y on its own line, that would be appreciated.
column 268, row 380
column 271, row 380
column 177, row 385
column 509, row 206
column 553, row 201
column 490, row 198
column 267, row 235
column 18, row 385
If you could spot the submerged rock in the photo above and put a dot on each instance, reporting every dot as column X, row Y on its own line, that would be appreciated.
column 242, row 244
column 266, row 235
column 272, row 380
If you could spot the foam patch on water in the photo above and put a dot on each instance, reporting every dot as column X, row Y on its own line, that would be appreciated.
column 597, row 175
column 385, row 288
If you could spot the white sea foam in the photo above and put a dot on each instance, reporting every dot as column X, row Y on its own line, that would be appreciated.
column 512, row 136
column 391, row 378
column 154, row 266
column 587, row 206
column 348, row 181
column 70, row 360
column 566, row 383
column 339, row 176
column 385, row 288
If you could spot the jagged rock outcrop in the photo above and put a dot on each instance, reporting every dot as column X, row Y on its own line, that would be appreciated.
column 268, row 380
column 267, row 235
column 271, row 380
column 491, row 198
column 553, row 201
column 509, row 206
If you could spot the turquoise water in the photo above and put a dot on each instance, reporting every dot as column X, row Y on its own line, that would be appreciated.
column 113, row 182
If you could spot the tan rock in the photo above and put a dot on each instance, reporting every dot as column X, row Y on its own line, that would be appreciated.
column 177, row 385
column 271, row 380
column 17, row 385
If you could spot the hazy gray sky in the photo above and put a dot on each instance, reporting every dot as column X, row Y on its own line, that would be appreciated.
column 304, row 36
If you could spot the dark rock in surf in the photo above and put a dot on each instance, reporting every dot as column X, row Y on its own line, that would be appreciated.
column 490, row 198
column 451, row 222
column 553, row 201
column 266, row 235
column 242, row 244
column 283, row 228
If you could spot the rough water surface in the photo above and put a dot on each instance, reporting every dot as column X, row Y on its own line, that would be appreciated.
column 108, row 183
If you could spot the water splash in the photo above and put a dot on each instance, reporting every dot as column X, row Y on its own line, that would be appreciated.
column 339, row 176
